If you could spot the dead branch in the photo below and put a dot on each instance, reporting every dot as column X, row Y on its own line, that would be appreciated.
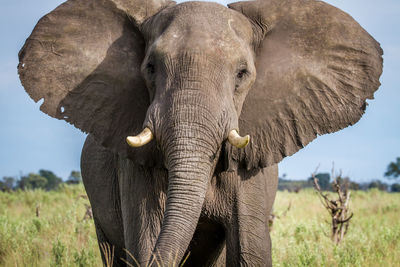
column 88, row 213
column 273, row 216
column 287, row 210
column 38, row 211
column 82, row 196
column 337, row 208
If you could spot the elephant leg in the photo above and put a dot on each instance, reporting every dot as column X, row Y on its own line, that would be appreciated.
column 248, row 241
column 207, row 244
column 108, row 251
column 100, row 179
column 143, row 195
column 221, row 260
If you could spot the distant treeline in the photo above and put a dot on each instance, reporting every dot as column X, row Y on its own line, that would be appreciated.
column 45, row 180
column 325, row 183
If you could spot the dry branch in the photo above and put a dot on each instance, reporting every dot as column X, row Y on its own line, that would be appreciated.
column 337, row 208
column 38, row 211
column 88, row 213
column 273, row 216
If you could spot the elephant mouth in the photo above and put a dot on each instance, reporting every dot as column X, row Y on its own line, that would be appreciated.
column 146, row 136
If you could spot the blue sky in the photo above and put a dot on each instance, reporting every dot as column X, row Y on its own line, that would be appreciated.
column 30, row 140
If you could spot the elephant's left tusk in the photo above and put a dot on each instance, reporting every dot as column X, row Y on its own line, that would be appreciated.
column 141, row 139
column 236, row 140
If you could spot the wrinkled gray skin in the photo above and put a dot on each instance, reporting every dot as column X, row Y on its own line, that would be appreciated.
column 128, row 207
column 282, row 71
column 197, row 100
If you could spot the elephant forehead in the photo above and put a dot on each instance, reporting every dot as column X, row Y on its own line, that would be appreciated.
column 200, row 27
column 197, row 41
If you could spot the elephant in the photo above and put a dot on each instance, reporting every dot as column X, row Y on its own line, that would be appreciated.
column 190, row 107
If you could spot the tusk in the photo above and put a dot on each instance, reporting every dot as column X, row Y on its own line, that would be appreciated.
column 141, row 139
column 236, row 140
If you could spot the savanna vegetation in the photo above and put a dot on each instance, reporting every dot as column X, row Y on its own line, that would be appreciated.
column 44, row 179
column 47, row 228
column 61, row 235
column 302, row 237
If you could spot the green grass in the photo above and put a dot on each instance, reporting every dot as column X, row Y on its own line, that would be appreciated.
column 60, row 236
column 302, row 237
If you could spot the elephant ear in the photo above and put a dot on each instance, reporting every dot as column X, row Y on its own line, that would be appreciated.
column 83, row 59
column 316, row 66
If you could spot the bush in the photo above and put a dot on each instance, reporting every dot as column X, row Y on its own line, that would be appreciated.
column 395, row 188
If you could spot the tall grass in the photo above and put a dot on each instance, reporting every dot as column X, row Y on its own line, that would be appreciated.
column 60, row 236
column 302, row 237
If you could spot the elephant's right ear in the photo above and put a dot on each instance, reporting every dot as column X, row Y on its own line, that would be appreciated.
column 83, row 59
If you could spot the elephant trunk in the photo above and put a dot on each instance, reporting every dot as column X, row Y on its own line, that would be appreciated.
column 190, row 143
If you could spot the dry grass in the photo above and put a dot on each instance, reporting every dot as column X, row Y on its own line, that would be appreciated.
column 60, row 236
column 302, row 237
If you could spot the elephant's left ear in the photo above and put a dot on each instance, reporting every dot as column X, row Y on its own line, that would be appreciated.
column 316, row 67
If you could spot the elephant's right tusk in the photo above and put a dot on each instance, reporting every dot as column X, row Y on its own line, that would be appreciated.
column 236, row 140
column 141, row 139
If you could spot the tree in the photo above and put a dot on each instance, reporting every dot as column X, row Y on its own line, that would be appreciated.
column 395, row 188
column 52, row 180
column 32, row 181
column 3, row 187
column 393, row 169
column 7, row 183
column 74, row 178
column 378, row 184
column 323, row 180
column 346, row 182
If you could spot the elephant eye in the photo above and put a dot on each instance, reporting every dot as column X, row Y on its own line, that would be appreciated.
column 150, row 68
column 241, row 73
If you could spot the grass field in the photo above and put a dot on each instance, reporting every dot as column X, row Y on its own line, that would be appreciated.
column 302, row 237
column 60, row 236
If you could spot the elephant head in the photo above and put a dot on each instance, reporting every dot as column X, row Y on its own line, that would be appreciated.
column 192, row 75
